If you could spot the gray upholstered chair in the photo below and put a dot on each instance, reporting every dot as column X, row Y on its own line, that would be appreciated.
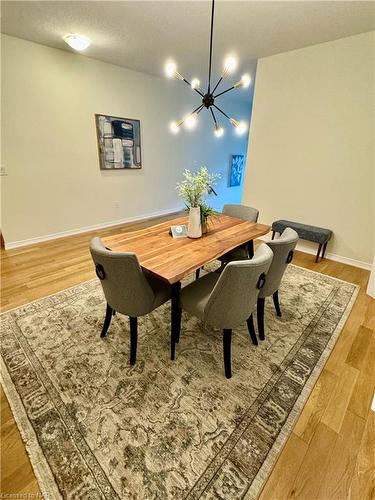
column 127, row 288
column 245, row 251
column 282, row 249
column 241, row 212
column 227, row 299
column 246, row 213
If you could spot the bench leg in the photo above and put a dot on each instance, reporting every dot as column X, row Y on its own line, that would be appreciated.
column 317, row 255
column 324, row 249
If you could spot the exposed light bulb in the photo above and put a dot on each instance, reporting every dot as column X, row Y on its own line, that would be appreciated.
column 77, row 42
column 219, row 131
column 174, row 128
column 230, row 64
column 191, row 121
column 244, row 82
column 195, row 83
column 240, row 127
column 170, row 69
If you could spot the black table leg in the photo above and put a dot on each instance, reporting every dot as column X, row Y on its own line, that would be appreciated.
column 273, row 235
column 175, row 317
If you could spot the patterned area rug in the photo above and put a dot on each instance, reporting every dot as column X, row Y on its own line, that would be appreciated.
column 96, row 428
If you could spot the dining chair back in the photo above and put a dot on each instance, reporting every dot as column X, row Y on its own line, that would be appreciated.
column 127, row 289
column 124, row 284
column 227, row 299
column 241, row 212
column 282, row 249
column 245, row 251
column 235, row 293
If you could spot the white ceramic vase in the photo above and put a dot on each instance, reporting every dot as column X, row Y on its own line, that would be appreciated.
column 194, row 224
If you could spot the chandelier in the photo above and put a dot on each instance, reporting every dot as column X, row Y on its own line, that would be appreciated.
column 209, row 98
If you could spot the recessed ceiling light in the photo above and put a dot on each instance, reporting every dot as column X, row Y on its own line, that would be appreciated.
column 77, row 42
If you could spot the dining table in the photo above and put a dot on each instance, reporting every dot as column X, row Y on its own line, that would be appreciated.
column 172, row 259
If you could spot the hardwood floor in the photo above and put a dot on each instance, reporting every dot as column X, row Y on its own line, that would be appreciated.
column 329, row 454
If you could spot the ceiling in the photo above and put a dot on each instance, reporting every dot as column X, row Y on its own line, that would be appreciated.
column 141, row 35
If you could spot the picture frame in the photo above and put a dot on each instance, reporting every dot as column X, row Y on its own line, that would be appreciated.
column 119, row 142
column 237, row 166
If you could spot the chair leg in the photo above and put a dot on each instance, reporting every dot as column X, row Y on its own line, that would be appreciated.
column 273, row 235
column 250, row 248
column 227, row 341
column 107, row 321
column 133, row 339
column 113, row 313
column 276, row 303
column 250, row 327
column 197, row 272
column 318, row 253
column 175, row 317
column 260, row 316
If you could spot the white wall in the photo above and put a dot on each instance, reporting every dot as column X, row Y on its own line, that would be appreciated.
column 371, row 283
column 49, row 148
column 311, row 148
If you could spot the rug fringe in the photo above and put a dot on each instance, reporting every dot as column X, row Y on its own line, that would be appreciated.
column 42, row 471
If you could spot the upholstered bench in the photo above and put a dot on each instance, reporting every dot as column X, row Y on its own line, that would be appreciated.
column 310, row 233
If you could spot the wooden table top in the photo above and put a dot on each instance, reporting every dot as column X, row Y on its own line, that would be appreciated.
column 171, row 259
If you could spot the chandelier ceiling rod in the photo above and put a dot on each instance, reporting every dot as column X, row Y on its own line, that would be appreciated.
column 211, row 37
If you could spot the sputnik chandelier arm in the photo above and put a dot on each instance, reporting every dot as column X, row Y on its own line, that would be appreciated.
column 208, row 98
column 193, row 87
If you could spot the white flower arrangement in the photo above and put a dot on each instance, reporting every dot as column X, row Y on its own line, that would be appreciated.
column 196, row 185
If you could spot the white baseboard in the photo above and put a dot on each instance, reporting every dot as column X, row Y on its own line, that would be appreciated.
column 71, row 232
column 331, row 256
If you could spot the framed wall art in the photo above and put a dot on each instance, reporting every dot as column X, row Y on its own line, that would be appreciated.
column 119, row 142
column 236, row 170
